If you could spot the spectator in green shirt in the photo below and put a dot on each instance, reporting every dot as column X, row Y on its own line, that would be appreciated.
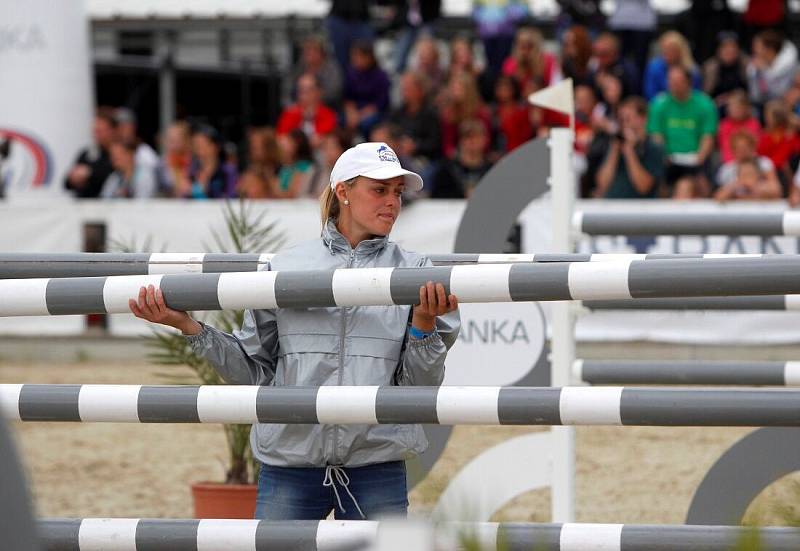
column 634, row 165
column 685, row 122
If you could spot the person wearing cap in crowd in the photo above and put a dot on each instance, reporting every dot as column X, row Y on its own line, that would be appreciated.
column 356, row 471
column 127, row 132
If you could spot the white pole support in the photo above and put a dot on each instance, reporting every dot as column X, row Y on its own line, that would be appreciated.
column 562, row 340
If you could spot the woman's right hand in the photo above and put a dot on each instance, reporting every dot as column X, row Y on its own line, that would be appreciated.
column 151, row 306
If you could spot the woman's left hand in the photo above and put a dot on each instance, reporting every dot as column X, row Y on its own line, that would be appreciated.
column 432, row 302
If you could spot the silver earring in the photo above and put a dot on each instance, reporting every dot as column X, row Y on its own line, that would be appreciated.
column 346, row 202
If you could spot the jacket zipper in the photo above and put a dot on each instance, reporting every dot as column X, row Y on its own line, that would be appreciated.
column 340, row 378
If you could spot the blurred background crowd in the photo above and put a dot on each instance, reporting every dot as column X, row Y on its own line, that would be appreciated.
column 709, row 107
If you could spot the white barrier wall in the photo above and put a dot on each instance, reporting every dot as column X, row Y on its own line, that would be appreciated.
column 46, row 92
column 426, row 226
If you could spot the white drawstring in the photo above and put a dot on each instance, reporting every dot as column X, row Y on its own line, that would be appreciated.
column 344, row 481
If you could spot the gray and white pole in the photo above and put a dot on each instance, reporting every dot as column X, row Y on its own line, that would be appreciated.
column 693, row 372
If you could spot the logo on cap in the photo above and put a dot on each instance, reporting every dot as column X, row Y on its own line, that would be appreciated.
column 386, row 154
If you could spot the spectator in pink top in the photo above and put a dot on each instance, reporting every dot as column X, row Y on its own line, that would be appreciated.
column 528, row 60
column 740, row 117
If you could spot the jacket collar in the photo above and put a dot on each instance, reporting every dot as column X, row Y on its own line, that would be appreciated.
column 336, row 242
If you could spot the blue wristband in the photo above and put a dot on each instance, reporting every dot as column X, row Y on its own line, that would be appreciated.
column 418, row 333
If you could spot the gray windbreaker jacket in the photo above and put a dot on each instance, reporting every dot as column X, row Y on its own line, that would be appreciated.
column 332, row 346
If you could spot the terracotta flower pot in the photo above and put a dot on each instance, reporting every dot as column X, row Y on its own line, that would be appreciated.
column 217, row 500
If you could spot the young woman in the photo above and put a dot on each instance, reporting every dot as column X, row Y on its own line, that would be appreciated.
column 358, row 471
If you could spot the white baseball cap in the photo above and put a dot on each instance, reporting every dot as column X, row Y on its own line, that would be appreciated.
column 373, row 160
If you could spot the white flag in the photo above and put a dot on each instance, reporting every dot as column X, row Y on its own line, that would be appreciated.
column 558, row 97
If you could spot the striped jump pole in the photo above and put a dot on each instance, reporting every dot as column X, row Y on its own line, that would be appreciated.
column 392, row 286
column 695, row 372
column 687, row 223
column 766, row 302
column 446, row 405
column 27, row 266
column 329, row 535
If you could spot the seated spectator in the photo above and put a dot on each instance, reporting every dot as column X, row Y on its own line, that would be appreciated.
column 461, row 101
column 576, row 53
column 366, row 93
column 458, row 177
column 772, row 68
column 586, row 110
column 177, row 156
column 510, row 116
column 605, row 126
column 530, row 62
column 726, row 72
column 462, row 60
column 779, row 142
column 740, row 117
column 264, row 159
column 750, row 185
column 131, row 178
column 308, row 114
column 333, row 145
column 610, row 97
column 417, row 120
column 743, row 148
column 634, row 164
column 208, row 178
column 606, row 59
column 792, row 99
column 93, row 165
column 685, row 122
column 314, row 60
column 127, row 131
column 674, row 52
column 297, row 170
column 428, row 63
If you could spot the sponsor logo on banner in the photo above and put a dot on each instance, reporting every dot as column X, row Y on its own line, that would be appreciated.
column 25, row 161
column 499, row 344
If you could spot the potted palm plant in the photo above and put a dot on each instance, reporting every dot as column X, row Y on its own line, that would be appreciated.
column 246, row 232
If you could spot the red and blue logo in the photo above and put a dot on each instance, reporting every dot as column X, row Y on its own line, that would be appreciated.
column 25, row 160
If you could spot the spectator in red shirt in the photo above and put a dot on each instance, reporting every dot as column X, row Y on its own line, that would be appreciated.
column 740, row 117
column 461, row 102
column 779, row 142
column 512, row 127
column 308, row 114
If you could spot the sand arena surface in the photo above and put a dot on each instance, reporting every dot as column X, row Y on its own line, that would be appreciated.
column 624, row 474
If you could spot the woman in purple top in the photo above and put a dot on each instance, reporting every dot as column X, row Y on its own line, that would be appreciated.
column 366, row 91
column 209, row 177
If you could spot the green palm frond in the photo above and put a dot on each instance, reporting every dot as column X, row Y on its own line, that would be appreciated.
column 246, row 231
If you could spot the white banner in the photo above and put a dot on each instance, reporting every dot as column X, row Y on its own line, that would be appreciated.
column 425, row 226
column 46, row 93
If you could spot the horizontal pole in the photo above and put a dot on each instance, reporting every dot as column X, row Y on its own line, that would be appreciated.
column 397, row 286
column 446, row 405
column 27, row 266
column 766, row 302
column 112, row 534
column 693, row 372
column 688, row 223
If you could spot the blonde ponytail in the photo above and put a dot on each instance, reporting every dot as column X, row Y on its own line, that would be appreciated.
column 329, row 203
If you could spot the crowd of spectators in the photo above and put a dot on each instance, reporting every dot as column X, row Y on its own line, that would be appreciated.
column 654, row 116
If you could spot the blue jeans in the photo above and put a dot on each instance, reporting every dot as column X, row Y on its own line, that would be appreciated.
column 298, row 493
column 342, row 33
